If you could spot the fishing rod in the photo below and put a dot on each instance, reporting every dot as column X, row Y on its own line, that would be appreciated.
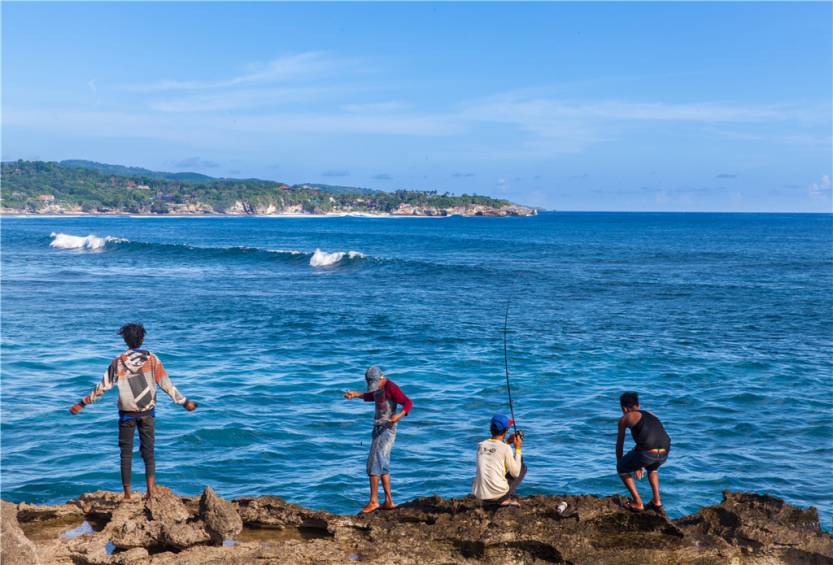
column 506, row 367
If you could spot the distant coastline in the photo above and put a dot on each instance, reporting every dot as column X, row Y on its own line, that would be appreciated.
column 51, row 213
column 87, row 188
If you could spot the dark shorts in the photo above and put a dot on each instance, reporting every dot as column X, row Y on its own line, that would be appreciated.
column 634, row 460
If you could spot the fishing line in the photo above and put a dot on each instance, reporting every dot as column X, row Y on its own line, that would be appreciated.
column 506, row 363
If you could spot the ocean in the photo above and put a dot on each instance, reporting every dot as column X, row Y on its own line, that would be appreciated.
column 722, row 322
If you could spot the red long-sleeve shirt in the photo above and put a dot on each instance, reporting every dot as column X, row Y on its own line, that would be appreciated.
column 394, row 393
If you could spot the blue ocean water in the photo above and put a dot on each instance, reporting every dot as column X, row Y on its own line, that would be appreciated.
column 722, row 322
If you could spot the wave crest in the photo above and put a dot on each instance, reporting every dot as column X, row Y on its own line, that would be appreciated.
column 324, row 259
column 90, row 242
column 318, row 259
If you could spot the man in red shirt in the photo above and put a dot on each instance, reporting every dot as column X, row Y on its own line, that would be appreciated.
column 386, row 395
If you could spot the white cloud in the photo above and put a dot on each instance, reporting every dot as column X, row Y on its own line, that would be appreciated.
column 556, row 125
column 821, row 188
column 214, row 130
column 279, row 69
column 245, row 98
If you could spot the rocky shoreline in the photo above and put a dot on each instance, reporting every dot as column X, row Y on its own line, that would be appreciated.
column 99, row 528
column 239, row 209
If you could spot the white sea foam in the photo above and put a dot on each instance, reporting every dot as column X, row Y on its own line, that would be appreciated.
column 324, row 259
column 90, row 242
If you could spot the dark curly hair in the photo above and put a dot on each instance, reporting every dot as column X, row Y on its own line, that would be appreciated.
column 133, row 334
column 629, row 399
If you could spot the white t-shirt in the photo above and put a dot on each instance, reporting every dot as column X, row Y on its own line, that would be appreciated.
column 494, row 460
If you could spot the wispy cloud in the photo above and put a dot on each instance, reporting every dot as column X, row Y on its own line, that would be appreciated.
column 516, row 108
column 565, row 126
column 462, row 175
column 383, row 176
column 336, row 173
column 248, row 98
column 279, row 69
column 821, row 188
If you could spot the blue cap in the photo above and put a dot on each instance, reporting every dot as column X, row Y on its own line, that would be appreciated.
column 501, row 422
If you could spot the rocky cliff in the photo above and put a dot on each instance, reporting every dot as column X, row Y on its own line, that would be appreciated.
column 99, row 528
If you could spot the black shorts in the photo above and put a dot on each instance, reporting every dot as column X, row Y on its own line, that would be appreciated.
column 634, row 460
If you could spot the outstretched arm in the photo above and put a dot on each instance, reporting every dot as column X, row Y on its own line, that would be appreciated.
column 164, row 382
column 109, row 379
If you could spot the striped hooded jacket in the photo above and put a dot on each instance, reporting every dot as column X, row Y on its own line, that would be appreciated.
column 137, row 373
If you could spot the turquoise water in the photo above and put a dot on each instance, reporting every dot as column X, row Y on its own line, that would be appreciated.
column 722, row 322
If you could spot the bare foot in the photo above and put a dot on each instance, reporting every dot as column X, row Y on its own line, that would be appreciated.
column 511, row 502
column 388, row 505
column 371, row 506
column 634, row 507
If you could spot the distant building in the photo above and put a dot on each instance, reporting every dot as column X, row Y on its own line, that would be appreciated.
column 46, row 198
column 142, row 187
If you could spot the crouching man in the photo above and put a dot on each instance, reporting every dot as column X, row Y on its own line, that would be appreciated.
column 499, row 470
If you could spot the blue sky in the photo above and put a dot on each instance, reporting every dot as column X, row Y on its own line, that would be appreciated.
column 649, row 106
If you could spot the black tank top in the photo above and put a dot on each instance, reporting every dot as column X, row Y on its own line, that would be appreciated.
column 648, row 433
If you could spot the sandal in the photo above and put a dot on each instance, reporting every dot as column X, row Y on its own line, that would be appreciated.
column 658, row 508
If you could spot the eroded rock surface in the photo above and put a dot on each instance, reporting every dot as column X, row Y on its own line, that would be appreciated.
column 168, row 529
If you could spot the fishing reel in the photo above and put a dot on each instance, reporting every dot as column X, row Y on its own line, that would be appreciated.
column 511, row 438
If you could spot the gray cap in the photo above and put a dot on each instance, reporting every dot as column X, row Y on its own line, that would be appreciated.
column 373, row 376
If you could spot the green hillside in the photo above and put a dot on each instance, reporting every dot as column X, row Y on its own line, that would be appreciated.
column 35, row 186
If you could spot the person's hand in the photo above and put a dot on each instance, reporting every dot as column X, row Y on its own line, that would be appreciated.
column 350, row 395
column 517, row 440
column 640, row 473
column 76, row 408
column 395, row 418
column 190, row 405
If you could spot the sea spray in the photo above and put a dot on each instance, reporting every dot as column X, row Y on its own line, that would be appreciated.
column 90, row 242
column 324, row 259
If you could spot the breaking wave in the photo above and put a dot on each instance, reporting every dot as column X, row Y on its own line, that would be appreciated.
column 317, row 259
column 90, row 242
column 324, row 259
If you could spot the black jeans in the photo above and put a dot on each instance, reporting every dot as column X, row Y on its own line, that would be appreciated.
column 147, row 427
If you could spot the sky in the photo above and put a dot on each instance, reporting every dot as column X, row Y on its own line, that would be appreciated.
column 595, row 106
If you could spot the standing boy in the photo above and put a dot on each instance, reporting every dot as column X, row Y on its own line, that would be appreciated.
column 137, row 373
column 499, row 471
column 386, row 395
column 651, row 450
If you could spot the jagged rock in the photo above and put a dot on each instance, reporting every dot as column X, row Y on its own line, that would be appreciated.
column 221, row 519
column 163, row 522
column 131, row 528
column 166, row 507
column 40, row 513
column 135, row 556
column 15, row 547
column 274, row 512
column 102, row 503
column 743, row 529
column 181, row 535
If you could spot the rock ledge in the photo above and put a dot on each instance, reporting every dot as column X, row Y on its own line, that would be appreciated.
column 100, row 529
